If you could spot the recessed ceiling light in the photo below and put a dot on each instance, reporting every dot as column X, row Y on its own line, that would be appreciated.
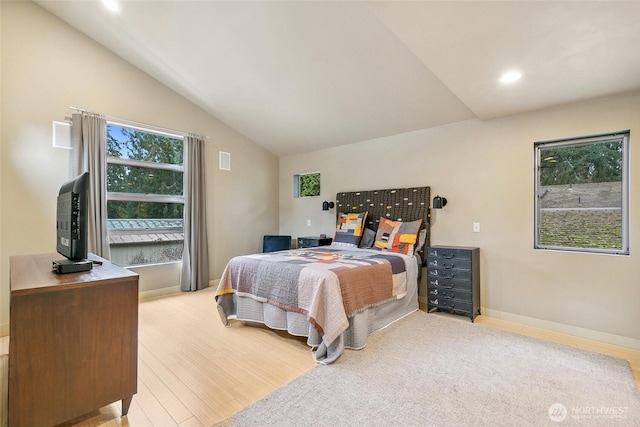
column 510, row 76
column 112, row 5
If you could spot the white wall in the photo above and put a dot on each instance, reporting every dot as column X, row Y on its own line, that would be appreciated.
column 485, row 170
column 46, row 67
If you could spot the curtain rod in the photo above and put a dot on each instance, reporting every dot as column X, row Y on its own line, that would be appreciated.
column 142, row 126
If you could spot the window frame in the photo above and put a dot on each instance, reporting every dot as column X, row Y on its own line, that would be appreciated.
column 624, row 137
column 142, row 197
column 297, row 182
column 145, row 197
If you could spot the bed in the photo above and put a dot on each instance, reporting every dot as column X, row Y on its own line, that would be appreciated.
column 337, row 295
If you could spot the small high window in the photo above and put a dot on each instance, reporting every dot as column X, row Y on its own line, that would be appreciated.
column 582, row 194
column 306, row 184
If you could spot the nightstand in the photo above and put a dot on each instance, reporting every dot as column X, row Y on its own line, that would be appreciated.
column 313, row 241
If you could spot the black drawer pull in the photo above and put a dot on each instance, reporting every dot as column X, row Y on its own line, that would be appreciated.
column 445, row 274
column 442, row 294
column 445, row 285
column 434, row 263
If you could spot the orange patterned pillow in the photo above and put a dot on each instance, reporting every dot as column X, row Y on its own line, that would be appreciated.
column 397, row 236
column 349, row 229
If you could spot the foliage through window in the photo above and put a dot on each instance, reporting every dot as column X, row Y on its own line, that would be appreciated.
column 582, row 194
column 145, row 199
column 306, row 185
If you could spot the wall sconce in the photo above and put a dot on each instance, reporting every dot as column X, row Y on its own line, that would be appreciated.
column 439, row 202
column 327, row 205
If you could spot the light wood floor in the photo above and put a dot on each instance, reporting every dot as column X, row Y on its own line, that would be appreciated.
column 193, row 371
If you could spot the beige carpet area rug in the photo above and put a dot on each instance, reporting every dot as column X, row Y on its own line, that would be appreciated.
column 433, row 370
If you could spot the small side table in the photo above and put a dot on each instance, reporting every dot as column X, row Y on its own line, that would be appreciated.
column 313, row 241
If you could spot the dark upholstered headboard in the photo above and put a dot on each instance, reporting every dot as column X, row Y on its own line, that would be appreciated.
column 406, row 204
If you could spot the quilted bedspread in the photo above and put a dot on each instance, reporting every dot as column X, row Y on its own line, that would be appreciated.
column 325, row 284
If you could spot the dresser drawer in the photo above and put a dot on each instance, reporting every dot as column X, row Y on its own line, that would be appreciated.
column 446, row 273
column 449, row 263
column 450, row 304
column 449, row 253
column 439, row 282
column 449, row 294
column 442, row 293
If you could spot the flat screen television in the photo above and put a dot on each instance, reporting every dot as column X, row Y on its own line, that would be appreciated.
column 71, row 218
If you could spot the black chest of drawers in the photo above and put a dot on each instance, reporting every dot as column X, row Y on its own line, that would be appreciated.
column 453, row 280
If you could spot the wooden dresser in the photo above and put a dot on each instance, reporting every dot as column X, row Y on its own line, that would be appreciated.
column 73, row 343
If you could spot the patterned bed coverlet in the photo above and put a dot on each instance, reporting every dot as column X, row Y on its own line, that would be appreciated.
column 326, row 284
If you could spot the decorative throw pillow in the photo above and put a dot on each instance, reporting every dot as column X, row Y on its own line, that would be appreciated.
column 368, row 238
column 397, row 236
column 422, row 237
column 349, row 229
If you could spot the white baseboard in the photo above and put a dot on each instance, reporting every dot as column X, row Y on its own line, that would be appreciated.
column 158, row 292
column 166, row 291
column 575, row 331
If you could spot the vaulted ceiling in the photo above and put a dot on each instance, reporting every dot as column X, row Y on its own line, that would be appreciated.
column 297, row 76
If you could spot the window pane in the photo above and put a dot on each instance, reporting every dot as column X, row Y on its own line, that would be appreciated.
column 133, row 144
column 130, row 253
column 309, row 185
column 143, row 210
column 581, row 228
column 145, row 233
column 130, row 179
column 581, row 195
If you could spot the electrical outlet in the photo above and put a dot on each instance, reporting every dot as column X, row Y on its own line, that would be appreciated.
column 476, row 227
column 308, row 223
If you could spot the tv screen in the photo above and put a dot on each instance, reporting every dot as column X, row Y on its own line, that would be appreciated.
column 71, row 218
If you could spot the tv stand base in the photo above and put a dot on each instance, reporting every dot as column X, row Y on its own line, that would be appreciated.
column 65, row 266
